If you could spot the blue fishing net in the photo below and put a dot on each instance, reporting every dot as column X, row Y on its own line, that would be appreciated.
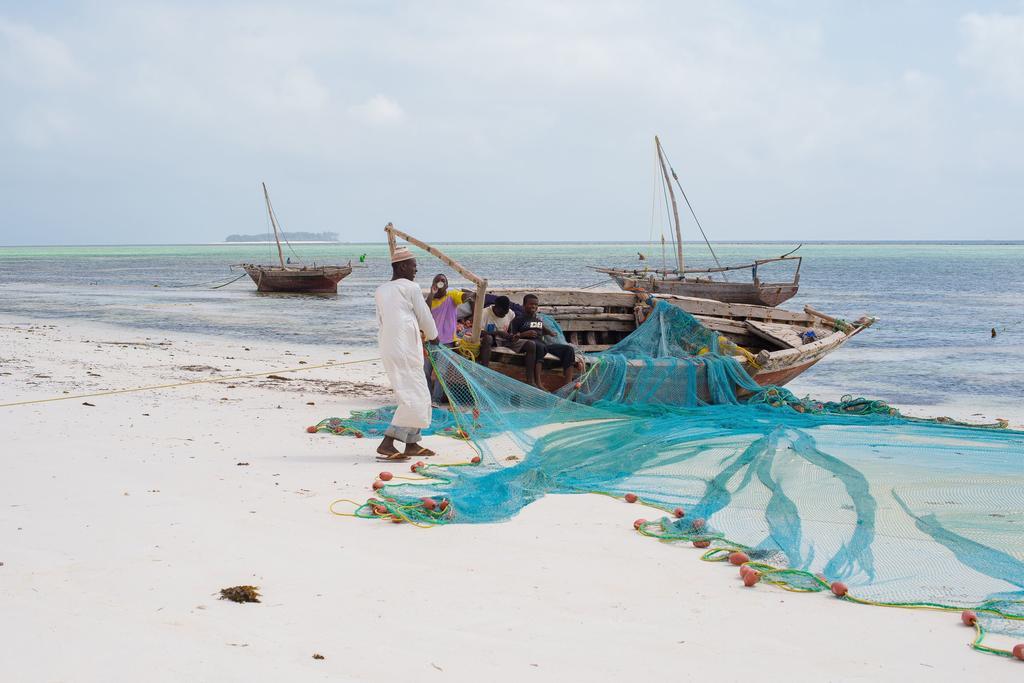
column 897, row 511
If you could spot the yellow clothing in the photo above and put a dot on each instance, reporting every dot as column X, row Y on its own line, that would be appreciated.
column 454, row 294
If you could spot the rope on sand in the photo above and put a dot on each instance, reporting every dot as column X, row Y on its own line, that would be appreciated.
column 185, row 384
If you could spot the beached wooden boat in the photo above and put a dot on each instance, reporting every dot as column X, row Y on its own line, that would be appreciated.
column 300, row 280
column 297, row 279
column 774, row 338
column 775, row 348
column 699, row 283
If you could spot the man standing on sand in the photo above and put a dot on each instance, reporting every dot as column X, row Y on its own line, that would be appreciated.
column 402, row 315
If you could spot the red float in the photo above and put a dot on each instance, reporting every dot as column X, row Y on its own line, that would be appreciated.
column 416, row 465
column 475, row 460
column 839, row 589
column 701, row 544
column 311, row 430
column 1018, row 651
column 639, row 523
column 385, row 476
column 378, row 484
column 631, row 497
column 752, row 577
column 379, row 510
column 679, row 512
column 443, row 506
column 429, row 503
column 397, row 520
column 697, row 524
column 738, row 558
column 968, row 617
column 745, row 569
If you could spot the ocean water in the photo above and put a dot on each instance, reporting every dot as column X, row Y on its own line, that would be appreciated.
column 936, row 303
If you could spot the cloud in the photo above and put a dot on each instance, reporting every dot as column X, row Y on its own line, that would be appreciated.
column 39, row 128
column 34, row 59
column 531, row 106
column 378, row 110
column 993, row 49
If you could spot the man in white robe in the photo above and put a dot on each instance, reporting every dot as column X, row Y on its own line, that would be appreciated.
column 402, row 315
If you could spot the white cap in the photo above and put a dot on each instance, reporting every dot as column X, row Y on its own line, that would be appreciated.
column 401, row 254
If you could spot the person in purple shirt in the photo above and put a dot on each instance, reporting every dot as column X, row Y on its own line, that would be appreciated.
column 444, row 307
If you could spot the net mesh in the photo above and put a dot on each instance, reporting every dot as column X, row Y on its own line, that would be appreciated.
column 900, row 512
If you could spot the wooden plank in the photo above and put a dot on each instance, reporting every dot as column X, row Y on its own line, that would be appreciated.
column 591, row 338
column 558, row 310
column 782, row 336
column 722, row 324
column 719, row 309
column 592, row 316
column 597, row 325
column 571, row 297
column 433, row 251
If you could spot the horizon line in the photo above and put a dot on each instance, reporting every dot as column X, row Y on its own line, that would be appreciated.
column 508, row 242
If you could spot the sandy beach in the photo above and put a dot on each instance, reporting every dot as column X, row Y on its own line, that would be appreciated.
column 121, row 520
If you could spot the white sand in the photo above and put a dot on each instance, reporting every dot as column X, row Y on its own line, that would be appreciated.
column 120, row 522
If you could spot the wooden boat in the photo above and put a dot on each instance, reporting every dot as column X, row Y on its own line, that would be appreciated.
column 773, row 337
column 303, row 279
column 774, row 346
column 691, row 284
column 698, row 283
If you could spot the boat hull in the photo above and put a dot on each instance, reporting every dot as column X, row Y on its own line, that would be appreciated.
column 593, row 321
column 553, row 379
column 758, row 294
column 312, row 280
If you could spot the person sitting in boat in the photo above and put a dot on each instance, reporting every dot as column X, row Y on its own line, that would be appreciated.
column 527, row 336
column 494, row 327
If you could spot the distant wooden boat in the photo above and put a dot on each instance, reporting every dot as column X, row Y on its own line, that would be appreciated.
column 311, row 279
column 698, row 283
column 775, row 339
column 690, row 283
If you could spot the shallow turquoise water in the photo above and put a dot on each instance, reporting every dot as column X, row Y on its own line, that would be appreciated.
column 936, row 302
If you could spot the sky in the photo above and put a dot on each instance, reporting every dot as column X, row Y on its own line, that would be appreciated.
column 155, row 122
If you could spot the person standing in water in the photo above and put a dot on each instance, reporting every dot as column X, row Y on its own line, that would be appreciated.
column 403, row 315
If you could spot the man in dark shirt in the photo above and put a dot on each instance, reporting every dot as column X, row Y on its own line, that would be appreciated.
column 527, row 336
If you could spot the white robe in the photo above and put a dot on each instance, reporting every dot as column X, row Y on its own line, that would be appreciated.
column 402, row 314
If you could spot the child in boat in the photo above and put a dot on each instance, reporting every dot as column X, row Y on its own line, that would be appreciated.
column 494, row 327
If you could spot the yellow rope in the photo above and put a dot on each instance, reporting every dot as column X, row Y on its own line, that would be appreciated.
column 467, row 348
column 185, row 384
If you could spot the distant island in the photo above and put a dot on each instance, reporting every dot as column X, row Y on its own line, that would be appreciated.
column 290, row 236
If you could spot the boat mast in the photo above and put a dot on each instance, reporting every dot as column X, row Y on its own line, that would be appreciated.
column 273, row 222
column 675, row 209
